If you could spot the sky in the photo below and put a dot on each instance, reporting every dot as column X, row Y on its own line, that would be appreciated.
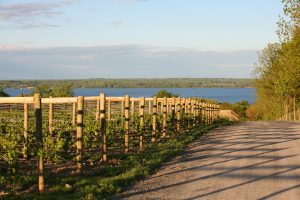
column 70, row 39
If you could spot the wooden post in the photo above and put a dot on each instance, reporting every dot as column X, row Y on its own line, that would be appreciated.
column 165, row 101
column 167, row 106
column 74, row 114
column 132, row 108
column 122, row 107
column 150, row 107
column 161, row 107
column 154, row 118
column 210, row 113
column 80, row 105
column 108, row 110
column 50, row 117
column 97, row 110
column 39, row 137
column 142, row 112
column 195, row 112
column 189, row 112
column 126, row 125
column 200, row 112
column 183, row 110
column 178, row 113
column 25, row 148
column 204, row 112
column 102, row 107
column 173, row 113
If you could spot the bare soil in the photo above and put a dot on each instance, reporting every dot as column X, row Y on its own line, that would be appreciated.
column 250, row 160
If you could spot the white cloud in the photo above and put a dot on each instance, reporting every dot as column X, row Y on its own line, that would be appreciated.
column 121, row 61
column 8, row 47
column 30, row 15
column 117, row 23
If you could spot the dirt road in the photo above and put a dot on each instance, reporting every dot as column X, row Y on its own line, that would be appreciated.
column 250, row 160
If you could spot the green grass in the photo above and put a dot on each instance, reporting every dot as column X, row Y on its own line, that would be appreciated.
column 112, row 180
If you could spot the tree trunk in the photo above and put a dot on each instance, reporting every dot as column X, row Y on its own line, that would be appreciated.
column 286, row 109
column 294, row 108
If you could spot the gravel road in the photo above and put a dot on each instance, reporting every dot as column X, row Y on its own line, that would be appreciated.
column 250, row 160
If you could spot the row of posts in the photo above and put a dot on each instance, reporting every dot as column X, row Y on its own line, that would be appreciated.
column 201, row 112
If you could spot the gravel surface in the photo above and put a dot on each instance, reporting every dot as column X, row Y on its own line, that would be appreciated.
column 250, row 160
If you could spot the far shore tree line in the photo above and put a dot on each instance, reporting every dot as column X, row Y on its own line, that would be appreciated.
column 134, row 83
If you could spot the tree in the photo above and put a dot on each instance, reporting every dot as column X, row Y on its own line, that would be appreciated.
column 3, row 93
column 61, row 90
column 278, row 71
column 165, row 93
column 240, row 108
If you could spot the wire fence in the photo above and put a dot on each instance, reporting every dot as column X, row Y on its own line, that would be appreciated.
column 72, row 135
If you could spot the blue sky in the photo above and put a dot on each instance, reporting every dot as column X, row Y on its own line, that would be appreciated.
column 133, row 38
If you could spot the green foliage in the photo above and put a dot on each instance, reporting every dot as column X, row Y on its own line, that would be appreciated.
column 239, row 108
column 165, row 93
column 110, row 180
column 226, row 106
column 59, row 147
column 62, row 90
column 278, row 71
column 3, row 93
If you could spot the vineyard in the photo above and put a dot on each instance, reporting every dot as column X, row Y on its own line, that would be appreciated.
column 53, row 137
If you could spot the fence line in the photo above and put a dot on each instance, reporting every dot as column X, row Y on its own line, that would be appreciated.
column 176, row 114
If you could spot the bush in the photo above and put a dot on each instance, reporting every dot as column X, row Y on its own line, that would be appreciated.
column 165, row 93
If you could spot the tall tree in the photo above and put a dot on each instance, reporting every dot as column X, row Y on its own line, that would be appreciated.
column 278, row 71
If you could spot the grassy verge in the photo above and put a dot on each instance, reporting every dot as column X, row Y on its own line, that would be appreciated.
column 112, row 179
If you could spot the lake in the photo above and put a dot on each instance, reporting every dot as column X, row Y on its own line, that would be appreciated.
column 230, row 95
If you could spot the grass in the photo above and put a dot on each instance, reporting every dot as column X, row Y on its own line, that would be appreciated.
column 111, row 180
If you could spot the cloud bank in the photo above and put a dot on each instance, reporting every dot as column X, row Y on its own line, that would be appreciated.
column 127, row 61
column 30, row 15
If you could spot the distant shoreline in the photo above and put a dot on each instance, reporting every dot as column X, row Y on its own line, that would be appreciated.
column 135, row 83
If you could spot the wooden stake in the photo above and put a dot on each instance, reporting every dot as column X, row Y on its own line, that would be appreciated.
column 50, row 117
column 74, row 114
column 173, row 113
column 122, row 107
column 164, row 117
column 39, row 137
column 97, row 110
column 183, row 110
column 178, row 113
column 103, row 126
column 132, row 108
column 154, row 118
column 142, row 126
column 126, row 125
column 80, row 106
column 25, row 148
column 189, row 112
column 150, row 107
column 109, row 110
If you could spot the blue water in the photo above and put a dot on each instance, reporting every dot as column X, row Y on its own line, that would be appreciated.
column 230, row 95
